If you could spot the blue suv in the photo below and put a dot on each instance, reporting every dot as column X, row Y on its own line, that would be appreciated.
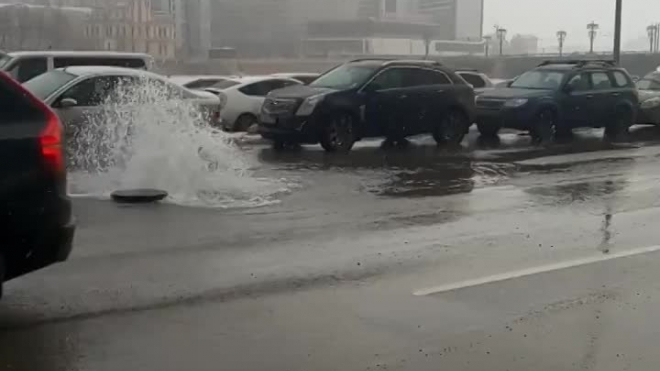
column 558, row 96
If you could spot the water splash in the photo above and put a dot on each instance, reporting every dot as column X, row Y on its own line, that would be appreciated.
column 146, row 136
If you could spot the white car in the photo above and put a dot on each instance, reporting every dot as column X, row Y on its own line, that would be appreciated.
column 304, row 77
column 242, row 98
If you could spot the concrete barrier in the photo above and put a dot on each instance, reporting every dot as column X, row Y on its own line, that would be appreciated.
column 496, row 67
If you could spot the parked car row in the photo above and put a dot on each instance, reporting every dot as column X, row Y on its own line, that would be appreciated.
column 397, row 98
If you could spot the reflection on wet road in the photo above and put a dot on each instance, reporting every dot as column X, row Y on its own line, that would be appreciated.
column 324, row 279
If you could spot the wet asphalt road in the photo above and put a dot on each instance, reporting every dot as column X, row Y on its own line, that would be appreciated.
column 498, row 257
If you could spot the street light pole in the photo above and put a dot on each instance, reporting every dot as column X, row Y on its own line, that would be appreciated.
column 487, row 39
column 617, row 31
column 593, row 31
column 501, row 35
column 561, row 37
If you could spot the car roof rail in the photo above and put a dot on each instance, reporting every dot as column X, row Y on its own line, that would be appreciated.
column 375, row 59
column 427, row 62
column 467, row 70
column 580, row 62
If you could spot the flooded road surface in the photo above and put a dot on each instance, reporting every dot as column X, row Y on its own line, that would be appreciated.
column 496, row 256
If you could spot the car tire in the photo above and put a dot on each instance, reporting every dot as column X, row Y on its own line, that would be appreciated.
column 488, row 130
column 244, row 122
column 618, row 129
column 544, row 128
column 452, row 128
column 338, row 134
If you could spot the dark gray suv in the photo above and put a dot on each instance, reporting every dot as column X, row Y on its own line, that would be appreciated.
column 371, row 98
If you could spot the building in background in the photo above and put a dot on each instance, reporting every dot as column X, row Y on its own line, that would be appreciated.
column 461, row 19
column 41, row 27
column 119, row 25
column 193, row 25
column 523, row 44
column 263, row 28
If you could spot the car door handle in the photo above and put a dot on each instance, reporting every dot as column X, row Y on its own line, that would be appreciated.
column 589, row 96
column 616, row 94
column 403, row 96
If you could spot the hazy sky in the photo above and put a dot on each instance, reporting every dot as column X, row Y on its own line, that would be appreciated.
column 545, row 17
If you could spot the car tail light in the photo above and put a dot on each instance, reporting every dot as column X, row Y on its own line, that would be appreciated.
column 50, row 140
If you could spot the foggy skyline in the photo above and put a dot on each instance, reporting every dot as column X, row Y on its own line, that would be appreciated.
column 544, row 18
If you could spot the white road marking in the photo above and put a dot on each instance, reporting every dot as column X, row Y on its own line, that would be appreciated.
column 534, row 271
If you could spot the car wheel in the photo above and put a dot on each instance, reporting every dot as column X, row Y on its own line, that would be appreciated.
column 618, row 129
column 488, row 130
column 544, row 127
column 452, row 129
column 338, row 134
column 245, row 122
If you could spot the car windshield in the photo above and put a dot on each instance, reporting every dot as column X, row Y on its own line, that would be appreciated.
column 539, row 79
column 651, row 82
column 46, row 84
column 345, row 77
column 4, row 59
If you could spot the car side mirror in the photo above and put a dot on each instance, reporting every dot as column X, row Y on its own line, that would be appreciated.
column 509, row 83
column 68, row 103
column 568, row 89
column 635, row 78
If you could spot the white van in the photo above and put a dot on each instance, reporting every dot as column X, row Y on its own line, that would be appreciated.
column 25, row 65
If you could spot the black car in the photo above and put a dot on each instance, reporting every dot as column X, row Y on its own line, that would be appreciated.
column 559, row 96
column 35, row 213
column 649, row 99
column 371, row 98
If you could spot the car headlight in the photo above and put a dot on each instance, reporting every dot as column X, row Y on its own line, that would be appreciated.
column 514, row 103
column 651, row 103
column 309, row 104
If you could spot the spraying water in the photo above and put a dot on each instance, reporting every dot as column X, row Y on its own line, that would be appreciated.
column 146, row 135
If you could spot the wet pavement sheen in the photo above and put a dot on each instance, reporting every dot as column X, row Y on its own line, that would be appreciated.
column 324, row 279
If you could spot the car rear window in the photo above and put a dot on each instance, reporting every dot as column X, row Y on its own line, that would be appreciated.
column 14, row 105
column 211, row 83
column 44, row 85
column 474, row 80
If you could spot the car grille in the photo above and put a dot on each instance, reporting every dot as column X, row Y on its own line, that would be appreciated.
column 273, row 106
column 490, row 103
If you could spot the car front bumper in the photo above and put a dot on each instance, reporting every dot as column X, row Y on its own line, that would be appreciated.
column 289, row 128
column 521, row 118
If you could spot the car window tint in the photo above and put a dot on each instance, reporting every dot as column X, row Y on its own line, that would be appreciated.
column 474, row 80
column 254, row 90
column 91, row 92
column 600, row 81
column 137, row 63
column 579, row 82
column 389, row 79
column 261, row 89
column 43, row 86
column 14, row 106
column 620, row 79
column 31, row 67
column 423, row 77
